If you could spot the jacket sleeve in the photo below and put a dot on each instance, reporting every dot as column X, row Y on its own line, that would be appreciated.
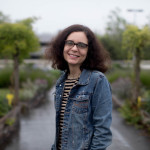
column 102, row 109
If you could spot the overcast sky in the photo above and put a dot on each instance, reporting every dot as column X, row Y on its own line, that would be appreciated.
column 57, row 14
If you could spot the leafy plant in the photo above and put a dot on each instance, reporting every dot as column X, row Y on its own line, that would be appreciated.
column 145, row 79
column 116, row 73
column 28, row 90
column 130, row 114
column 4, row 107
column 5, row 77
column 10, row 121
column 146, row 103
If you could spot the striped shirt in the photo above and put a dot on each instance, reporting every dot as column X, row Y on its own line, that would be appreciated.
column 69, row 83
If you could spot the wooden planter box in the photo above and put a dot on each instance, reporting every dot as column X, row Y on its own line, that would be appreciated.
column 9, row 124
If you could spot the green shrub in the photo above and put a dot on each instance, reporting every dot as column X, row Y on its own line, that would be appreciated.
column 25, row 94
column 117, row 66
column 34, row 74
column 5, row 77
column 28, row 90
column 146, row 101
column 25, row 72
column 145, row 78
column 130, row 114
column 115, row 74
column 147, row 105
column 4, row 107
column 10, row 121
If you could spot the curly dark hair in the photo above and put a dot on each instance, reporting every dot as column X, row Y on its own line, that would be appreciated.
column 97, row 57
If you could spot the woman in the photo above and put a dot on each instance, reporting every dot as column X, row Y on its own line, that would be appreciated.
column 83, row 100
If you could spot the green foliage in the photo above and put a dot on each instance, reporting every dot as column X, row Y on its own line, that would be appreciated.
column 34, row 74
column 4, row 107
column 147, row 105
column 118, row 71
column 28, row 22
column 5, row 77
column 33, row 80
column 130, row 114
column 28, row 72
column 113, row 46
column 10, row 121
column 17, row 40
column 146, row 102
column 146, row 52
column 15, row 37
column 135, row 38
column 28, row 90
column 145, row 78
column 112, row 39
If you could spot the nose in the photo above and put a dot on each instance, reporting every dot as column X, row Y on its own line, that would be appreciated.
column 74, row 48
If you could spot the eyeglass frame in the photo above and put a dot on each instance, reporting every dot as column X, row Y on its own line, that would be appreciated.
column 77, row 44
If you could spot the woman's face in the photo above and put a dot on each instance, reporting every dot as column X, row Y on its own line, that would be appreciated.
column 75, row 54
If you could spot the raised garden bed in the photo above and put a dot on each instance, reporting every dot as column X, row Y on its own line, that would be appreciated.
column 9, row 124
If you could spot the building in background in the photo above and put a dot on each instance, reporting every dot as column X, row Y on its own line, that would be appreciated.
column 44, row 40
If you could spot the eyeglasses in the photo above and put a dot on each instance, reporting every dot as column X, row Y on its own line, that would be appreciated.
column 79, row 45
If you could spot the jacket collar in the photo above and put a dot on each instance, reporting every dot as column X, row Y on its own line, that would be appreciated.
column 84, row 77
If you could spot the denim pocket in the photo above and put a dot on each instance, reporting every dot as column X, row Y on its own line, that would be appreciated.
column 80, row 104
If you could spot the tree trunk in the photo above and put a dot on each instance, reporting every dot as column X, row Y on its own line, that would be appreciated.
column 16, row 77
column 137, row 82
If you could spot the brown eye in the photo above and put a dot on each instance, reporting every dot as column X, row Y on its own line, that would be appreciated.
column 82, row 45
column 69, row 43
column 79, row 45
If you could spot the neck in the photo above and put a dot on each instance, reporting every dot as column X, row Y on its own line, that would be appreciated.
column 74, row 72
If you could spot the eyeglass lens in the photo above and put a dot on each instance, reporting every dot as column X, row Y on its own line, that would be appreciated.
column 79, row 45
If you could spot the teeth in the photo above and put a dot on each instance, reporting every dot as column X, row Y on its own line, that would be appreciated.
column 73, row 56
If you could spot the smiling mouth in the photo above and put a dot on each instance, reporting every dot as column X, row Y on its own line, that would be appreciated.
column 74, row 56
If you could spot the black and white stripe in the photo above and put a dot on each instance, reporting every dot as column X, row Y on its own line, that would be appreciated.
column 69, row 83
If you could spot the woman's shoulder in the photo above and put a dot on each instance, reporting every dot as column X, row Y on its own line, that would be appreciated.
column 100, row 79
column 98, row 74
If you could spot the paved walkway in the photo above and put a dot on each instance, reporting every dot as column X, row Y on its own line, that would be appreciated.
column 126, row 137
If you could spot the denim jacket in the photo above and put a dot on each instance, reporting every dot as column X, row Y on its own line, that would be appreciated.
column 87, row 116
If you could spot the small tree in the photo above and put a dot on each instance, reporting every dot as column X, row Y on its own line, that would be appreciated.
column 134, row 41
column 112, row 38
column 17, row 40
